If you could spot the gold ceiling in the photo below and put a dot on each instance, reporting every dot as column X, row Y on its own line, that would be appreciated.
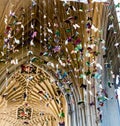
column 58, row 41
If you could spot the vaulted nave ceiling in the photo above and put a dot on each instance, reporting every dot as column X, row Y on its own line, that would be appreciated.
column 36, row 90
column 48, row 47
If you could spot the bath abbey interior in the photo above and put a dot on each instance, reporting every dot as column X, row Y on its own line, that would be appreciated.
column 59, row 62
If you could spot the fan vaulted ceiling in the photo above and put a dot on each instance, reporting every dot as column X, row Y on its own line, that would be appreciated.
column 47, row 35
column 43, row 96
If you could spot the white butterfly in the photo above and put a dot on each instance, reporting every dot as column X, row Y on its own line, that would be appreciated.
column 17, row 41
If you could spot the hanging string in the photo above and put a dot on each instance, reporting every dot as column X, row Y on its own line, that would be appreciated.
column 45, row 23
column 23, row 29
column 25, row 95
column 40, row 27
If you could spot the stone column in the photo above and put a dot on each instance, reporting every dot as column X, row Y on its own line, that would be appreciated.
column 111, row 115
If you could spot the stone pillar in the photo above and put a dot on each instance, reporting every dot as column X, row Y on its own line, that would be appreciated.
column 111, row 115
column 73, row 115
